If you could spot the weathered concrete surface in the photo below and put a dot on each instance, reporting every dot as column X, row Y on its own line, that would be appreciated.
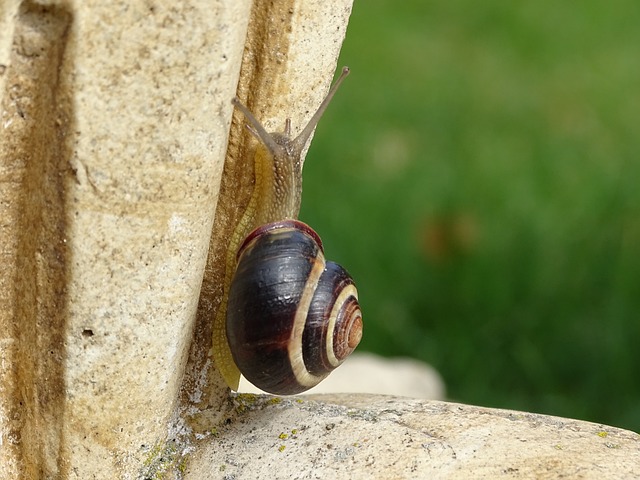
column 114, row 122
column 378, row 437
column 370, row 373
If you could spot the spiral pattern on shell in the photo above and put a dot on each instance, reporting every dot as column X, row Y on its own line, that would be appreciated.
column 292, row 316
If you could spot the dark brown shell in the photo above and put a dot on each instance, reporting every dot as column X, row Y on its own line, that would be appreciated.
column 292, row 317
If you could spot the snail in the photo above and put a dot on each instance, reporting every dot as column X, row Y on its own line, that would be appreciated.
column 288, row 317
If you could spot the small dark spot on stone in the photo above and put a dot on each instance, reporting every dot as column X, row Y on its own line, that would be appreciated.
column 87, row 332
column 330, row 426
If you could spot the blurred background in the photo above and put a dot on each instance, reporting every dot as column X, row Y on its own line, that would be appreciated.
column 479, row 176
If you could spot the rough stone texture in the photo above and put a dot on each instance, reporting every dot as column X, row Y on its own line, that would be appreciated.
column 370, row 373
column 114, row 120
column 377, row 437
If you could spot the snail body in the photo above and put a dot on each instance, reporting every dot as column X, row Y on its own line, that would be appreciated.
column 275, row 278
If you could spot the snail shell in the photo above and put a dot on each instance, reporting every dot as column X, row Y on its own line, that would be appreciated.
column 292, row 317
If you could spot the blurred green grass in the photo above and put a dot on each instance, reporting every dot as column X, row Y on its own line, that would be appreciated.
column 479, row 175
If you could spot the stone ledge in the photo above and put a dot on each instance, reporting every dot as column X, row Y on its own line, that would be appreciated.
column 368, row 436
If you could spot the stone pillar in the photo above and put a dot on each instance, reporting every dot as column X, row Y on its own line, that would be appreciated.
column 115, row 120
